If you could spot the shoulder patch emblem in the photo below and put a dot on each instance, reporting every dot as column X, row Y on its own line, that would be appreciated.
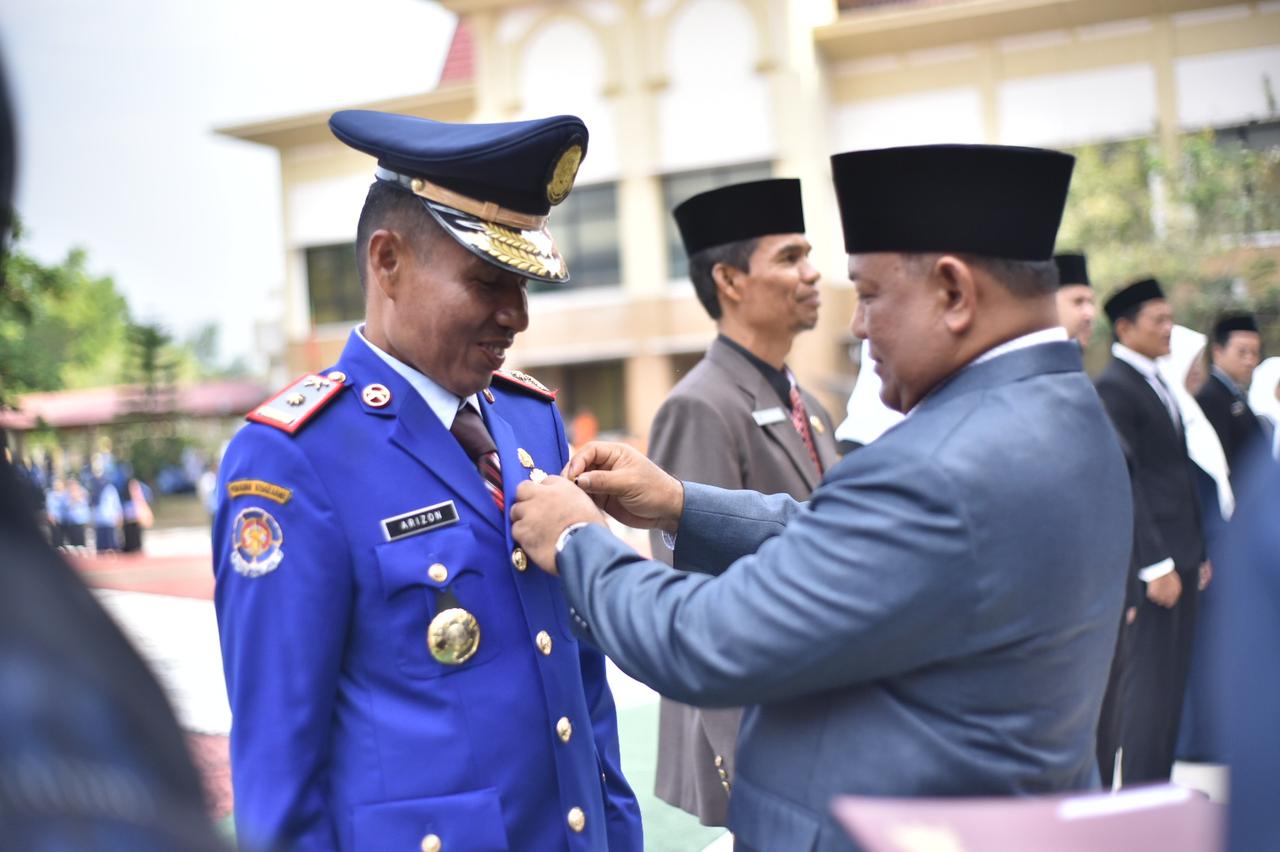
column 525, row 381
column 289, row 409
column 256, row 541
column 259, row 488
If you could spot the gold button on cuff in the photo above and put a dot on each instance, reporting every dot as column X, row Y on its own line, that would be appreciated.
column 431, row 843
column 438, row 573
column 519, row 560
column 577, row 819
column 543, row 639
column 564, row 729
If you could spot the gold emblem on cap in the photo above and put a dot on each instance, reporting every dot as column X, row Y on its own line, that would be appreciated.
column 375, row 396
column 537, row 475
column 454, row 636
column 817, row 424
column 562, row 176
column 526, row 460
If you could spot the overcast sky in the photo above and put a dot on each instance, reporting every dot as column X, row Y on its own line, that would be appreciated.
column 116, row 105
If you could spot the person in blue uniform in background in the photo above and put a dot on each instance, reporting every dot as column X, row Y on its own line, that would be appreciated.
column 399, row 677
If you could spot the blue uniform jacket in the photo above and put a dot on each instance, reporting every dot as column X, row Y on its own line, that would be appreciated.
column 347, row 733
column 939, row 619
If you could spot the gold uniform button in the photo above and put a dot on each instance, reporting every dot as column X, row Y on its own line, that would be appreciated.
column 337, row 376
column 431, row 843
column 438, row 573
column 719, row 761
column 543, row 639
column 519, row 560
column 577, row 819
column 564, row 729
column 724, row 776
column 725, row 785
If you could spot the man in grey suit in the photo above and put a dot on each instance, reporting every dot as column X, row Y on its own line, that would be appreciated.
column 939, row 619
column 738, row 420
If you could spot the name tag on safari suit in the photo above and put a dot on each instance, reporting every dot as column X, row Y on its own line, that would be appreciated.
column 765, row 416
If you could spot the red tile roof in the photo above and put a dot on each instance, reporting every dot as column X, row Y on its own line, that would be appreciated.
column 459, row 63
column 99, row 406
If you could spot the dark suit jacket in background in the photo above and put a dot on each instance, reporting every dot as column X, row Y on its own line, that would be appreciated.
column 1232, row 418
column 937, row 621
column 705, row 432
column 1166, row 495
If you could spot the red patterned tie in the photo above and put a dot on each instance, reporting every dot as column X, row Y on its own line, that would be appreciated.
column 469, row 429
column 800, row 420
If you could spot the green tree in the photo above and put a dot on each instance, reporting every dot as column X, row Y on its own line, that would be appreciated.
column 1199, row 224
column 61, row 326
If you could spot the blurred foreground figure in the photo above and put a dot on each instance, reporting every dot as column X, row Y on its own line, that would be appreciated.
column 738, row 420
column 91, row 757
column 1244, row 656
column 927, row 625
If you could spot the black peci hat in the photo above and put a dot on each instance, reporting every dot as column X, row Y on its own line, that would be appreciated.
column 738, row 212
column 1072, row 270
column 1131, row 295
column 1236, row 321
column 989, row 200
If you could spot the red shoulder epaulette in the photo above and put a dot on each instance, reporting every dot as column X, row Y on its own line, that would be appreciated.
column 524, row 381
column 292, row 407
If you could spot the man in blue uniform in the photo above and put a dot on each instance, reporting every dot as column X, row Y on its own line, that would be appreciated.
column 399, row 678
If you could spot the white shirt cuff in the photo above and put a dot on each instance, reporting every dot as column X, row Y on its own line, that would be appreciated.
column 1156, row 571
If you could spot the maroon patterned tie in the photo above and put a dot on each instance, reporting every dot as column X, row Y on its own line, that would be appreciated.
column 800, row 420
column 469, row 429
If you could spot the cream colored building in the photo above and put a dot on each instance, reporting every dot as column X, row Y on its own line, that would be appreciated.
column 681, row 95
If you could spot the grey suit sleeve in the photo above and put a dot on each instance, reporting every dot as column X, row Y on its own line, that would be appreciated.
column 876, row 575
column 720, row 526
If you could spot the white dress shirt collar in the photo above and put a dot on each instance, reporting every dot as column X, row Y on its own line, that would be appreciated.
column 1144, row 365
column 442, row 402
column 1055, row 334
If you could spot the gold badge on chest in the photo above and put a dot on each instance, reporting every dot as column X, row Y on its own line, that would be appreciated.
column 454, row 636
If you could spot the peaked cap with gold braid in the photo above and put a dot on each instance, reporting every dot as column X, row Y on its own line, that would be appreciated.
column 490, row 186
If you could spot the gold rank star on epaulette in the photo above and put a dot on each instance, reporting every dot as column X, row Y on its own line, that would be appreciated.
column 295, row 405
column 524, row 381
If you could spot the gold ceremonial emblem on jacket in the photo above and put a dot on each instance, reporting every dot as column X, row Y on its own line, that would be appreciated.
column 564, row 173
column 454, row 636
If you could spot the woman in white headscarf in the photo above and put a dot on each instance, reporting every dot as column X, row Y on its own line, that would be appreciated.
column 867, row 417
column 1264, row 399
column 1184, row 371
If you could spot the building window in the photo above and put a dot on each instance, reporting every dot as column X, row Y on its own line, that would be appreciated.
column 585, row 227
column 595, row 390
column 333, row 285
column 679, row 187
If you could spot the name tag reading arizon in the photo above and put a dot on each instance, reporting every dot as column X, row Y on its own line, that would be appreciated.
column 422, row 520
column 765, row 416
